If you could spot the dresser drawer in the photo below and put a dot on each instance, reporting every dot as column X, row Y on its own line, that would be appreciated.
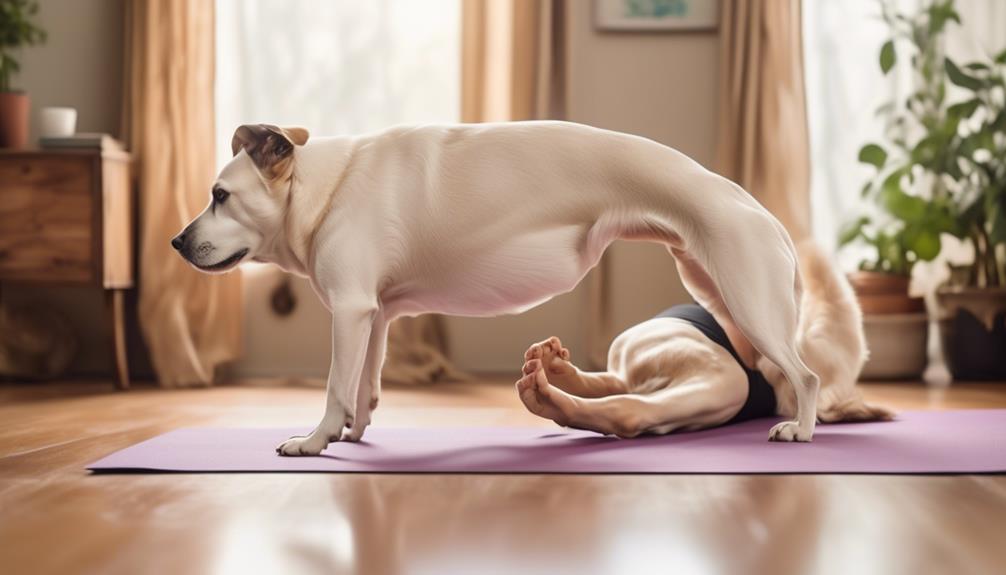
column 47, row 219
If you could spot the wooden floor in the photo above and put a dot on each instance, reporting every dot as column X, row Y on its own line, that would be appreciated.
column 56, row 518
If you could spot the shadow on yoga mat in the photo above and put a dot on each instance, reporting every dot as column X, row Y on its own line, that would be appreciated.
column 933, row 442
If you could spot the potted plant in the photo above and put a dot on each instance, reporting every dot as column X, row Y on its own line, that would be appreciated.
column 971, row 305
column 894, row 322
column 17, row 30
column 911, row 204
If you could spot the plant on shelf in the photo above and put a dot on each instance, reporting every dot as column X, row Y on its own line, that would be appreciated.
column 17, row 30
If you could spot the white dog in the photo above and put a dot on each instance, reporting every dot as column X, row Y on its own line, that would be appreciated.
column 487, row 219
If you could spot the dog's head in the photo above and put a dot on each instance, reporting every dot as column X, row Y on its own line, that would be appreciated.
column 247, row 200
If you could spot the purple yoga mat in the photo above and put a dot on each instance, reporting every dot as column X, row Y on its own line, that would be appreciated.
column 971, row 441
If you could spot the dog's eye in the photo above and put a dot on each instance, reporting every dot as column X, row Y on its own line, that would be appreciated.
column 219, row 195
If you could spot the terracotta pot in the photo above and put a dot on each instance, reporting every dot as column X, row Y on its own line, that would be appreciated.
column 973, row 331
column 14, row 108
column 882, row 293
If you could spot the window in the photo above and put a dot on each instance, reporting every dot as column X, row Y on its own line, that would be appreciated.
column 842, row 41
column 336, row 67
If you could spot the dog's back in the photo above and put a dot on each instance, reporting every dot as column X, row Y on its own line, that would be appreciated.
column 830, row 341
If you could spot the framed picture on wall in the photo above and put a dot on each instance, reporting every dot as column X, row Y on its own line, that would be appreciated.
column 656, row 15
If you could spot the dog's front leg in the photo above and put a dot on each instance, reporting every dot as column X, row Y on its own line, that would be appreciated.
column 351, row 327
column 370, row 382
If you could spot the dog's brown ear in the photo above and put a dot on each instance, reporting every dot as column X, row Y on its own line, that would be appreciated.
column 266, row 144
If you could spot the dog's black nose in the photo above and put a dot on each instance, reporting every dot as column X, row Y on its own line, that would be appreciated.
column 178, row 241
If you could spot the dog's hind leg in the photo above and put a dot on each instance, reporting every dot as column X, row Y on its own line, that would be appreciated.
column 759, row 284
column 704, row 291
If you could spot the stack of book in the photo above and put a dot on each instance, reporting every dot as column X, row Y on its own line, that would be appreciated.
column 92, row 140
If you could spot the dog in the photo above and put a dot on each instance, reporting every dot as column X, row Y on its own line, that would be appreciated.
column 482, row 220
column 678, row 372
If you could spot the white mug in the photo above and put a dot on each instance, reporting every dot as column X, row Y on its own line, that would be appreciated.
column 57, row 122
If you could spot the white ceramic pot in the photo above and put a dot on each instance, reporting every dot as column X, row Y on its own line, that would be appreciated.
column 897, row 344
column 57, row 122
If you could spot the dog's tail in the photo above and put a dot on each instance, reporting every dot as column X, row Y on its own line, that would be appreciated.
column 831, row 342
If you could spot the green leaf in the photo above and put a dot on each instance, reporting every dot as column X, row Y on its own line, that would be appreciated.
column 852, row 231
column 941, row 218
column 980, row 66
column 899, row 204
column 905, row 207
column 964, row 110
column 959, row 78
column 1001, row 57
column 887, row 56
column 926, row 150
column 999, row 123
column 968, row 145
column 874, row 155
column 939, row 14
column 925, row 243
column 866, row 189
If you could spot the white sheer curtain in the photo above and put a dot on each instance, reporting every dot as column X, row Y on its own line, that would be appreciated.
column 336, row 67
column 842, row 40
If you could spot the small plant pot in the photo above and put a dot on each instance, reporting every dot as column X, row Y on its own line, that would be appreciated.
column 14, row 108
column 973, row 331
column 880, row 293
column 897, row 344
column 895, row 324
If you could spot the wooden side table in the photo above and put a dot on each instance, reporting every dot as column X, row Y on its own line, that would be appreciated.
column 66, row 217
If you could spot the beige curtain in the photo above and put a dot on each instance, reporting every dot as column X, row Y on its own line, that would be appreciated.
column 762, row 141
column 512, row 60
column 191, row 321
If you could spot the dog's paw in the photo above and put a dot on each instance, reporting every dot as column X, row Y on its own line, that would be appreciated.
column 295, row 446
column 790, row 431
column 355, row 432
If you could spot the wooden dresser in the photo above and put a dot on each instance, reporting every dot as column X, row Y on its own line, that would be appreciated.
column 66, row 217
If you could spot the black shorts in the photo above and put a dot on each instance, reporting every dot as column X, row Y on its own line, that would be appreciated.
column 761, row 397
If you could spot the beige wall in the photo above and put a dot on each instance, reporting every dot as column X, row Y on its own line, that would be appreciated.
column 79, row 66
column 658, row 85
